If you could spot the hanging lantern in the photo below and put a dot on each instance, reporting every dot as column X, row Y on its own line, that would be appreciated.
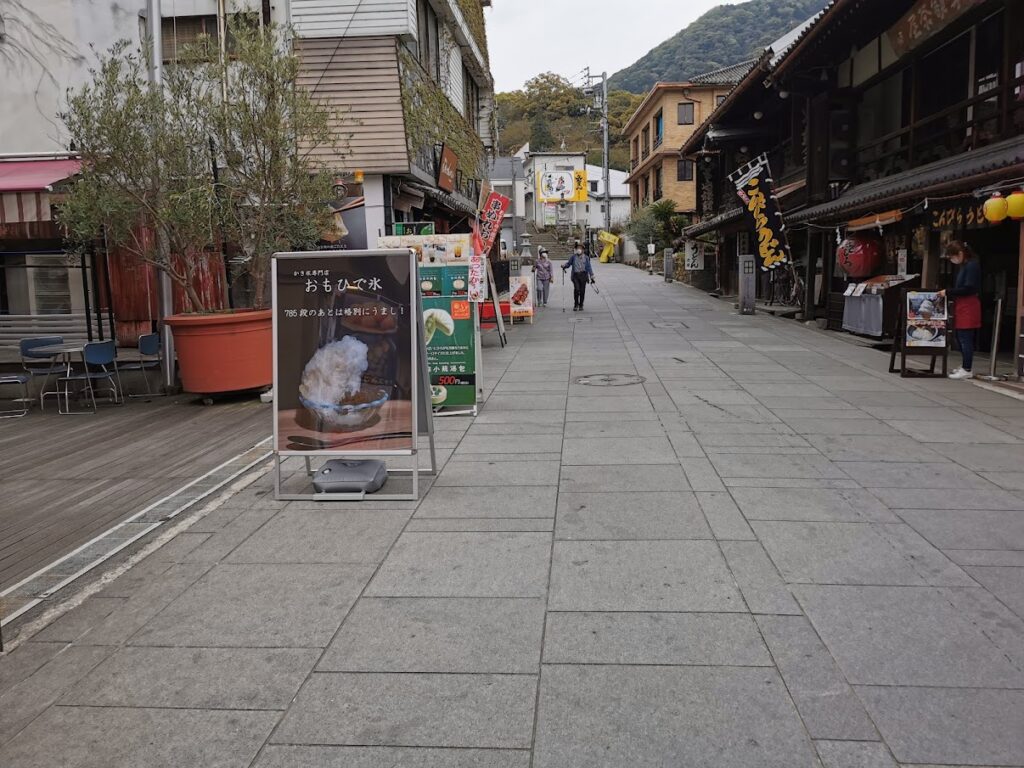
column 995, row 208
column 1015, row 205
column 859, row 256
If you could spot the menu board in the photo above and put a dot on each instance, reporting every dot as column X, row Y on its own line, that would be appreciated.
column 522, row 293
column 344, row 352
column 927, row 319
column 450, row 337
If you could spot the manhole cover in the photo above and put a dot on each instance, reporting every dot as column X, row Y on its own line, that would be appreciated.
column 610, row 379
column 676, row 324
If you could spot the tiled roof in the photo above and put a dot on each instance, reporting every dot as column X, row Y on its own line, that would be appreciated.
column 729, row 75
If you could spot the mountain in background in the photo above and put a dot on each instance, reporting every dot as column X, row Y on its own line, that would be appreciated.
column 724, row 35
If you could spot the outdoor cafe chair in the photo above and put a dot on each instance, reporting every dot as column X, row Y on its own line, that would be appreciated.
column 149, row 359
column 100, row 362
column 21, row 403
column 41, row 364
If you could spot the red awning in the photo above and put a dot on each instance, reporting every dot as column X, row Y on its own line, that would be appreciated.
column 35, row 175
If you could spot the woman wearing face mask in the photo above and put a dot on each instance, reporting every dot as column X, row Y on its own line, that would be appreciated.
column 543, row 269
column 582, row 273
column 966, row 304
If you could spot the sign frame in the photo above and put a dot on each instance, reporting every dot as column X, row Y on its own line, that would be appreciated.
column 447, row 169
column 421, row 416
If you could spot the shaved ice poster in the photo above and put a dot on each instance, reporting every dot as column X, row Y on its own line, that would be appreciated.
column 451, row 350
column 343, row 357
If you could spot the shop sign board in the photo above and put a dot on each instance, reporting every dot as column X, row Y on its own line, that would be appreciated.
column 447, row 169
column 923, row 20
column 693, row 257
column 432, row 249
column 522, row 292
column 550, row 214
column 491, row 215
column 966, row 215
column 450, row 335
column 345, row 353
column 927, row 319
column 754, row 186
column 567, row 186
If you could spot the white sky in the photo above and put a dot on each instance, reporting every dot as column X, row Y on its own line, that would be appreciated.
column 527, row 37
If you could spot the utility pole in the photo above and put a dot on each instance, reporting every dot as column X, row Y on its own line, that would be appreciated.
column 605, row 140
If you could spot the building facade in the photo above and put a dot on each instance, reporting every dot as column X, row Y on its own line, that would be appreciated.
column 661, row 124
column 543, row 211
column 618, row 197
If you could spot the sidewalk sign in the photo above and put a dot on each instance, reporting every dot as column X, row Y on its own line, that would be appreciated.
column 350, row 374
column 452, row 344
column 522, row 295
column 921, row 331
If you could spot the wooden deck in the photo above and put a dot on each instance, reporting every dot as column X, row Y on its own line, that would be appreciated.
column 64, row 479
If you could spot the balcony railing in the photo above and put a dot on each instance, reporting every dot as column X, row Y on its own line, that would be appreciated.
column 646, row 153
column 658, row 140
column 634, row 163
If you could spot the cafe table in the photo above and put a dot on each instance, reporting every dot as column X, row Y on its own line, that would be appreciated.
column 65, row 351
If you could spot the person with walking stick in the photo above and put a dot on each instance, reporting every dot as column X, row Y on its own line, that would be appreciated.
column 543, row 270
column 582, row 273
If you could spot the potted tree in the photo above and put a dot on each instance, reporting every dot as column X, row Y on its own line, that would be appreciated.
column 217, row 157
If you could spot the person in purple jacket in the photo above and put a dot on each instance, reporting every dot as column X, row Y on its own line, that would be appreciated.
column 543, row 270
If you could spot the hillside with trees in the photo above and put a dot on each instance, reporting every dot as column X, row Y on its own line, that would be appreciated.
column 725, row 35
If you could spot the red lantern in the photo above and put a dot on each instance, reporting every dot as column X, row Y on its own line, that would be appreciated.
column 859, row 257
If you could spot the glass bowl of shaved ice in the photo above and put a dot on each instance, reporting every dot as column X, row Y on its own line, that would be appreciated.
column 332, row 389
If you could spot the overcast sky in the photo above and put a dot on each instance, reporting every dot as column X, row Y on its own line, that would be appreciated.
column 527, row 37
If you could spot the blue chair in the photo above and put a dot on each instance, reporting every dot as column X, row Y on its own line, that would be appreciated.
column 41, row 364
column 100, row 358
column 21, row 380
column 149, row 359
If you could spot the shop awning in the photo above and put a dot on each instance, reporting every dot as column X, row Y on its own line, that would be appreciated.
column 874, row 220
column 961, row 174
column 35, row 175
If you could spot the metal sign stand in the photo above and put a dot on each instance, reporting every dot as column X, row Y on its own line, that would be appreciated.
column 422, row 416
column 900, row 348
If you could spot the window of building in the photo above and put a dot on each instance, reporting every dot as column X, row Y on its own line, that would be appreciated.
column 602, row 207
column 428, row 48
column 593, row 186
column 178, row 32
column 659, row 129
column 659, row 186
column 684, row 170
column 685, row 113
column 471, row 93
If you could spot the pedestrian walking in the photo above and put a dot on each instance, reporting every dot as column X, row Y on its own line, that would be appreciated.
column 966, row 304
column 582, row 273
column 544, row 271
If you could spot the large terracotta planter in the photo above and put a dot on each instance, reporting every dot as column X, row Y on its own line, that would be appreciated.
column 224, row 352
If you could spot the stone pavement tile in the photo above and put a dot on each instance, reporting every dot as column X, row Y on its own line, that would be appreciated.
column 521, row 501
column 915, row 635
column 753, row 414
column 176, row 550
column 704, row 717
column 147, row 601
column 724, row 517
column 737, row 428
column 762, row 466
column 115, row 737
column 826, row 702
column 623, row 477
column 803, row 392
column 439, row 635
column 897, row 497
column 762, row 588
column 1010, row 481
column 547, row 418
column 505, row 473
column 893, row 399
column 465, row 565
column 590, row 451
column 1007, row 584
column 637, row 515
column 79, row 620
column 826, row 426
column 856, row 553
column 531, row 403
column 929, row 413
column 552, row 372
column 889, row 448
column 968, row 529
column 854, row 754
column 701, row 474
column 800, row 415
column 739, row 440
column 24, row 660
column 705, row 639
column 949, row 725
column 539, row 443
column 390, row 757
column 23, row 702
column 854, row 383
column 685, row 445
column 911, row 474
column 610, row 406
column 641, row 576
column 613, row 428
column 129, row 582
column 224, row 541
column 532, row 427
column 325, row 535
column 196, row 678
column 499, row 458
column 994, row 557
column 461, row 524
column 490, row 711
column 720, row 396
column 216, row 519
column 600, row 416
column 812, row 504
column 958, row 432
column 259, row 606
column 536, row 386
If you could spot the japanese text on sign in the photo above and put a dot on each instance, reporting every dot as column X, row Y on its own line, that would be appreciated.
column 754, row 187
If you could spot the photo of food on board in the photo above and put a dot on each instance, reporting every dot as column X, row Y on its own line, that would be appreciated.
column 926, row 305
column 926, row 333
column 344, row 330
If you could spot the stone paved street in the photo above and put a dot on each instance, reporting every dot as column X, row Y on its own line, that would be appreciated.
column 769, row 554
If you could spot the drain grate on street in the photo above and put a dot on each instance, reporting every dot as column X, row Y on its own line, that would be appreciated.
column 610, row 379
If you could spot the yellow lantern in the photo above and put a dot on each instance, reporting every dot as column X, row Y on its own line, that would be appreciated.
column 995, row 208
column 1015, row 205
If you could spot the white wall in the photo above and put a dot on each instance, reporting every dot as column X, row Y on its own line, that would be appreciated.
column 620, row 211
column 353, row 18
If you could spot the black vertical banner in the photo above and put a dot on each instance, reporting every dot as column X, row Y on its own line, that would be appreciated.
column 754, row 186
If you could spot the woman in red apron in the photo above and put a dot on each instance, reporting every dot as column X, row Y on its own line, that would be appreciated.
column 966, row 304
